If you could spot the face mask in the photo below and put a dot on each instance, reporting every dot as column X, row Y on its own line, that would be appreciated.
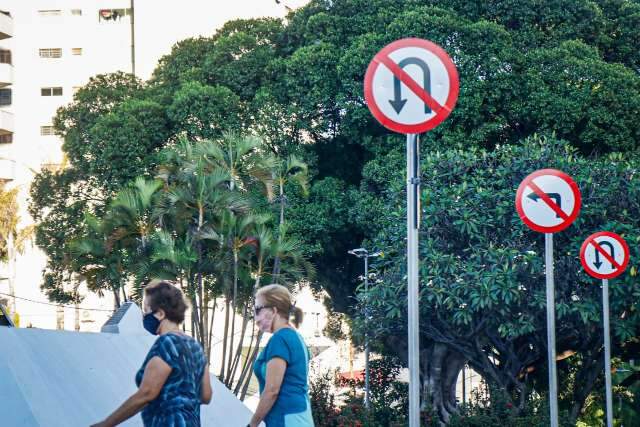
column 150, row 323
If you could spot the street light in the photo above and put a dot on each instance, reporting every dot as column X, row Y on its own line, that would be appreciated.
column 363, row 253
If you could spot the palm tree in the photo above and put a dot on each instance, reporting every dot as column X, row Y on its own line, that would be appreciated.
column 99, row 261
column 294, row 269
column 243, row 158
column 196, row 196
column 237, row 230
column 291, row 170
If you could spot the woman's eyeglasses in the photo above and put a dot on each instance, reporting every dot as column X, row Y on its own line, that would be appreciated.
column 258, row 308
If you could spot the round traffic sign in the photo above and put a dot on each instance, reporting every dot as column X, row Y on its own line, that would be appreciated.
column 548, row 201
column 604, row 255
column 411, row 85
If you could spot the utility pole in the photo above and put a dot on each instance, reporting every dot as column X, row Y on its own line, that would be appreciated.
column 133, row 39
column 363, row 253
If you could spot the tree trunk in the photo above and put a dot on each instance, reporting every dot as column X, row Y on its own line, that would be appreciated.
column 59, row 317
column 225, row 336
column 205, row 320
column 250, row 363
column 116, row 299
column 228, row 380
column 586, row 377
column 236, row 359
column 213, row 315
column 276, row 260
column 246, row 366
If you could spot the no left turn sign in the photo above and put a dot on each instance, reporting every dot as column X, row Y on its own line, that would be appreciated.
column 411, row 86
column 548, row 201
column 604, row 255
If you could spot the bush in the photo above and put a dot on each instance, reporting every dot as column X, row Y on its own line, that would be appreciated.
column 500, row 412
column 389, row 399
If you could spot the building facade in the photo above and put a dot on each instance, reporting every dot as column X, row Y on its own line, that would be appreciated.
column 48, row 50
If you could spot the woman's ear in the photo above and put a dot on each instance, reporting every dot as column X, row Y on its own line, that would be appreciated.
column 160, row 314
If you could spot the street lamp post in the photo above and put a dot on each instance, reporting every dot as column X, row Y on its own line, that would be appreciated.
column 363, row 253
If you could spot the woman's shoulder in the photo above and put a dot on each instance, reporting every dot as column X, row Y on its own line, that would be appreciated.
column 177, row 339
column 171, row 345
column 289, row 336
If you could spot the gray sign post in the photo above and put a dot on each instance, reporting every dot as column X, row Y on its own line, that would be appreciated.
column 605, row 264
column 548, row 201
column 551, row 329
column 411, row 86
column 413, row 195
column 607, row 351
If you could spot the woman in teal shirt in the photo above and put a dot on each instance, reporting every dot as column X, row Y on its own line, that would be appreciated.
column 282, row 368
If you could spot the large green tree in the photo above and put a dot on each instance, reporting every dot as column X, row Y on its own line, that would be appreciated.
column 482, row 287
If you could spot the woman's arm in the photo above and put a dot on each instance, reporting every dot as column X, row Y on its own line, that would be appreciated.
column 206, row 391
column 275, row 374
column 155, row 375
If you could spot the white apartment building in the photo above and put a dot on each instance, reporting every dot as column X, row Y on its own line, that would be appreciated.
column 50, row 48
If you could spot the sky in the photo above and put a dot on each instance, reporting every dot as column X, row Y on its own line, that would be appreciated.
column 191, row 18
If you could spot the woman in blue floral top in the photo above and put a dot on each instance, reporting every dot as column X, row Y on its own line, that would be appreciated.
column 174, row 378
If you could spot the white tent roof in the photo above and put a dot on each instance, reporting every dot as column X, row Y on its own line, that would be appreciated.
column 63, row 379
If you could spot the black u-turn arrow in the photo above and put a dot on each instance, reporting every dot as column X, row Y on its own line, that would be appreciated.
column 598, row 263
column 397, row 102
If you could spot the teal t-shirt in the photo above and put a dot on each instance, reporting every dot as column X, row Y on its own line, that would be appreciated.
column 292, row 407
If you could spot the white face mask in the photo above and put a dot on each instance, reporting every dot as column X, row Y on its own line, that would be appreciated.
column 265, row 317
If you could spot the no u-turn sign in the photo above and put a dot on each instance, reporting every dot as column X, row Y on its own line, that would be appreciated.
column 411, row 86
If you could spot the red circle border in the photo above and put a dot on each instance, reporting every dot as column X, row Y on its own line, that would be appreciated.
column 574, row 189
column 447, row 108
column 585, row 245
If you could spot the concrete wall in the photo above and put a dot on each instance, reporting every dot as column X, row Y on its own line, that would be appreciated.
column 65, row 379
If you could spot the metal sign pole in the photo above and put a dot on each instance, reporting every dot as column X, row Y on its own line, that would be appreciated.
column 366, row 332
column 607, row 351
column 551, row 329
column 413, row 191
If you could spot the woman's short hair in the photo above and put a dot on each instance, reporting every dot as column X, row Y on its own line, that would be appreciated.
column 279, row 297
column 164, row 295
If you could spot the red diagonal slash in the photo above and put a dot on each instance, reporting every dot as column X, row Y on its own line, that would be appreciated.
column 605, row 254
column 548, row 200
column 411, row 84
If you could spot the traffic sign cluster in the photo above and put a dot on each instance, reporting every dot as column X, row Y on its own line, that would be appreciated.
column 410, row 87
column 548, row 201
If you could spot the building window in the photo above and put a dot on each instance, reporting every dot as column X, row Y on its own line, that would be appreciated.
column 76, row 12
column 6, row 138
column 51, row 53
column 105, row 15
column 5, row 56
column 50, row 12
column 46, row 130
column 51, row 91
column 77, row 51
column 5, row 97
